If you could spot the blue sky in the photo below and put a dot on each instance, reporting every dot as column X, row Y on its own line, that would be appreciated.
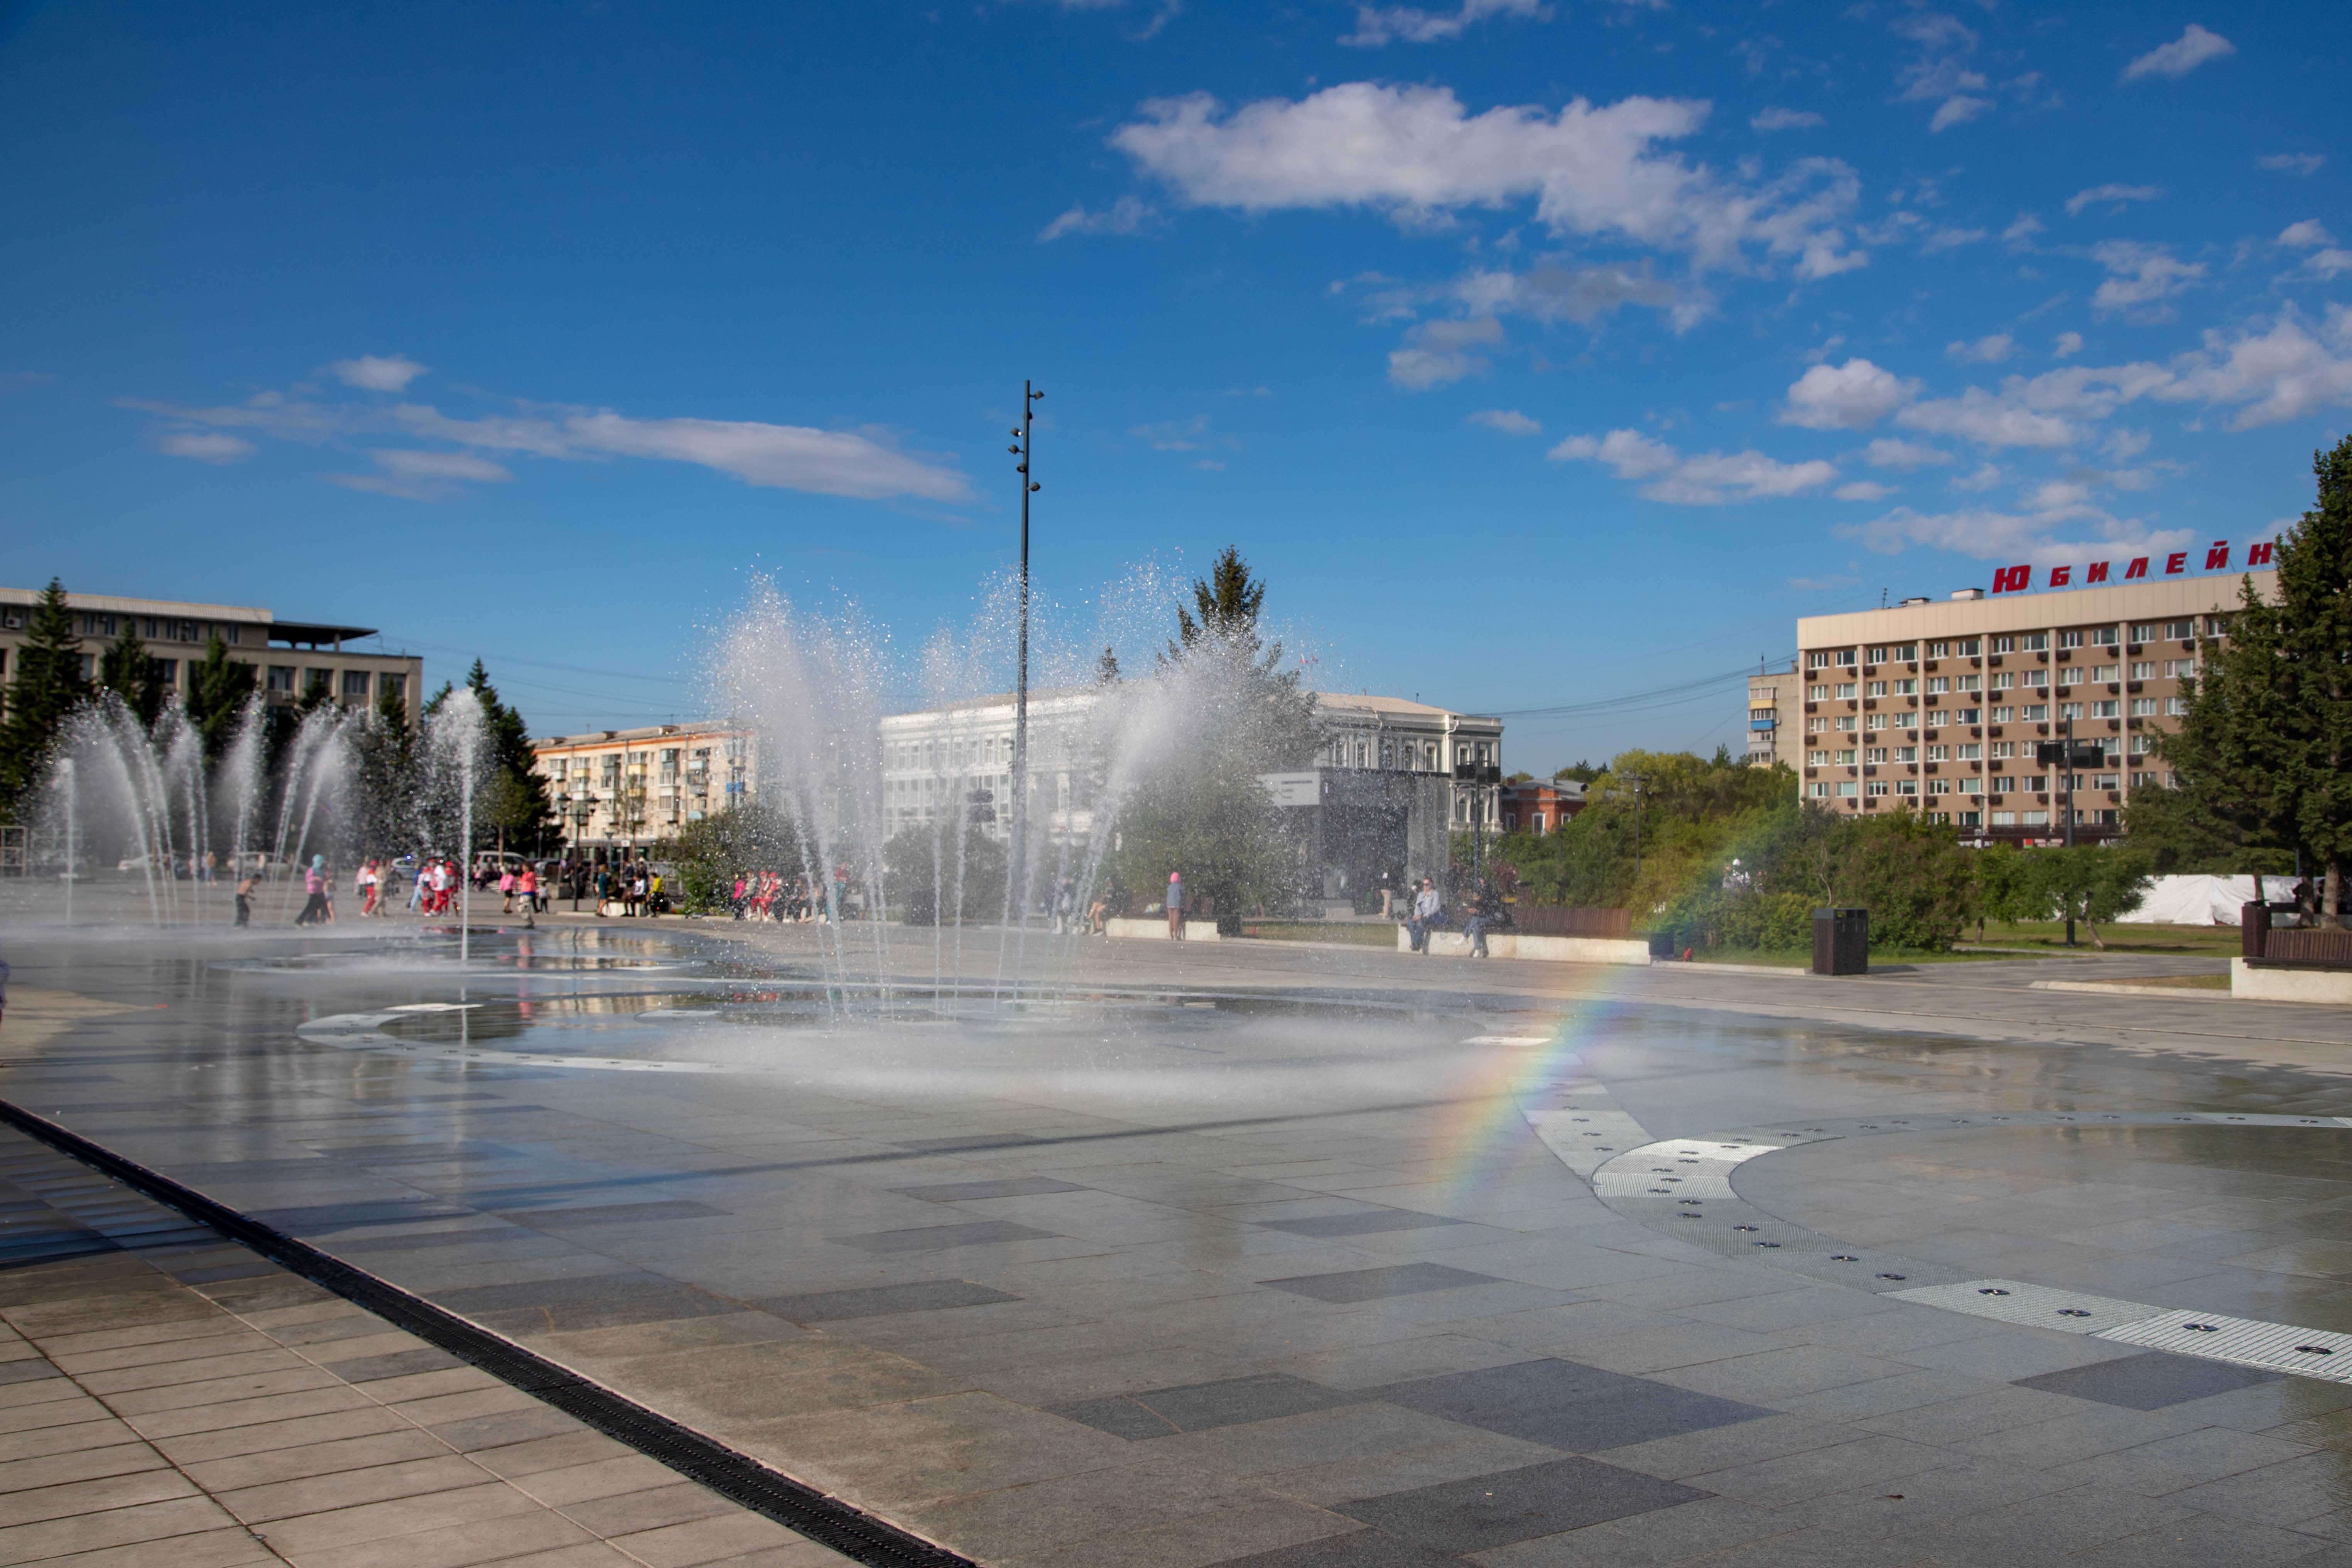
column 1536, row 353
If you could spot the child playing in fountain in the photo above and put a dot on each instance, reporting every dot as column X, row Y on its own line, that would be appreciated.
column 317, row 908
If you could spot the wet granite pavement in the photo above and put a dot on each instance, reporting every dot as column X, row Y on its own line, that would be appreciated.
column 1241, row 1256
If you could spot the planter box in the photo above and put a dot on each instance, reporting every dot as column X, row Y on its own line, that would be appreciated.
column 2279, row 983
column 1550, row 949
column 1155, row 929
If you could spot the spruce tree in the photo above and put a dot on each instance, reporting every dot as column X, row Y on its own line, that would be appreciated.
column 48, row 686
column 518, row 808
column 127, row 669
column 2266, row 746
column 218, row 687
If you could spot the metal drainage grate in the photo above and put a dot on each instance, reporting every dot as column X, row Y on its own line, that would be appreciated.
column 2275, row 1347
column 741, row 1479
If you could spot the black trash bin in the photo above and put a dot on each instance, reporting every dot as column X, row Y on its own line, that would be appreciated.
column 1841, row 942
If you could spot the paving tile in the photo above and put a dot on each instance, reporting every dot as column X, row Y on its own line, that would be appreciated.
column 1378, row 1284
column 2170, row 1464
column 881, row 1300
column 1565, row 1404
column 343, row 1489
column 1375, row 1222
column 703, row 1540
column 1010, row 1187
column 1686, row 1531
column 2149, row 1382
column 2200, row 1542
column 457, row 1545
column 1497, row 1509
column 940, row 1237
column 66, row 1500
column 1199, row 1406
column 652, row 1508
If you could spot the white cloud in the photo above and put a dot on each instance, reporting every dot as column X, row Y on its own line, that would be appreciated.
column 1510, row 421
column 1958, row 109
column 2140, row 274
column 2304, row 236
column 2068, row 343
column 1378, row 25
column 2333, row 262
column 862, row 465
column 1889, row 453
column 1442, row 351
column 1983, row 477
column 1129, row 214
column 1550, row 292
column 2183, row 54
column 2294, row 163
column 1708, row 479
column 1175, row 436
column 1415, row 153
column 411, row 465
column 2116, row 194
column 1984, row 350
column 1785, row 120
column 203, row 448
column 1863, row 489
column 2019, row 235
column 1850, row 396
column 374, row 373
column 1978, row 416
column 2029, row 536
column 2279, row 374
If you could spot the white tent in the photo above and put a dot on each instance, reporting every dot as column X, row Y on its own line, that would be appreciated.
column 2200, row 901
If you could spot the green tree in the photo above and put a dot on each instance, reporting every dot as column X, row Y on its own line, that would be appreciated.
column 2090, row 883
column 514, row 802
column 385, row 751
column 1106, row 668
column 127, row 669
column 218, row 688
column 47, row 687
column 2266, row 745
column 752, row 837
column 2004, row 887
column 1202, row 810
column 1580, row 772
column 920, row 873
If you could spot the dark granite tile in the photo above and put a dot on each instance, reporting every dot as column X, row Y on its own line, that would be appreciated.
column 326, row 1218
column 1373, row 1284
column 880, row 1300
column 1013, row 1187
column 226, row 1271
column 50, row 1251
column 1200, row 1406
column 1370, row 1224
column 2149, row 1382
column 933, row 1238
column 1565, row 1404
column 1491, row 1510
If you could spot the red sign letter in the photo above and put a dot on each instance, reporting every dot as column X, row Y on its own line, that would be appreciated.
column 2260, row 554
column 2061, row 575
column 2011, row 579
column 2095, row 573
column 2176, row 563
column 2136, row 568
column 2217, row 559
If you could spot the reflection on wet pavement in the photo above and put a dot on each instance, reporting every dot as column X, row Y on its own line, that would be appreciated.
column 1224, row 1269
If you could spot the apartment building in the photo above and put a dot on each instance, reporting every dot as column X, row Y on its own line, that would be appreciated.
column 1939, row 705
column 620, row 790
column 289, row 658
column 1775, row 709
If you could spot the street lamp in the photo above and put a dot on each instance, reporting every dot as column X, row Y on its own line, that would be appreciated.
column 1637, row 780
column 1021, row 448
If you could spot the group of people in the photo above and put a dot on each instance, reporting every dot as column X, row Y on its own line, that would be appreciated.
column 772, row 896
column 436, row 886
column 637, row 888
column 1483, row 912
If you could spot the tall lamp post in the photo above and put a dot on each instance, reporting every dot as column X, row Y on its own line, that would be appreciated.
column 1637, row 780
column 1021, row 449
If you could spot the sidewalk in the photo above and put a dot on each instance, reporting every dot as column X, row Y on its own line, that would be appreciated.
column 169, row 1398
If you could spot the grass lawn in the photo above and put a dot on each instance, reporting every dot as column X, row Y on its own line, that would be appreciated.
column 2175, row 941
column 2186, row 981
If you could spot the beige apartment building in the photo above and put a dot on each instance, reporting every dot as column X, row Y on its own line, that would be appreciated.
column 289, row 657
column 1939, row 705
column 1775, row 709
column 620, row 790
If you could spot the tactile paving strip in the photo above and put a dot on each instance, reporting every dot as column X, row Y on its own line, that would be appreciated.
column 2274, row 1347
column 2012, row 1301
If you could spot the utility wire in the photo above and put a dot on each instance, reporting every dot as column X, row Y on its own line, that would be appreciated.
column 1662, row 696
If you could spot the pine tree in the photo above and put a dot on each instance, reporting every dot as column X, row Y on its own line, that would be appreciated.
column 127, row 669
column 48, row 685
column 517, row 806
column 2266, row 746
column 218, row 687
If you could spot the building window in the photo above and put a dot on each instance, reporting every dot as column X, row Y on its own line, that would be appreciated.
column 1875, row 755
column 2180, row 669
column 2036, row 642
column 2144, row 631
column 1906, row 721
column 281, row 677
column 1878, row 689
column 1907, row 654
column 2004, row 645
column 1906, row 753
column 1972, row 818
column 1847, row 691
column 2070, row 710
column 1968, row 683
column 355, row 684
column 2003, row 785
column 1971, row 648
column 2175, row 706
column 1877, row 721
column 2072, row 675
column 1817, row 759
column 1877, row 786
column 2109, row 672
column 1970, row 786
column 2142, row 745
column 1816, row 726
column 1845, row 721
column 2004, row 818
column 1846, row 758
column 1938, row 718
column 1939, row 753
column 1817, row 694
column 2003, row 681
column 2179, row 631
column 1906, row 786
column 2004, row 715
column 1819, row 789
column 1847, row 788
column 1846, row 656
column 1937, row 684
column 2037, row 819
column 2070, row 639
column 1971, row 751
column 1939, row 786
column 2109, row 709
column 2035, row 712
column 2037, row 678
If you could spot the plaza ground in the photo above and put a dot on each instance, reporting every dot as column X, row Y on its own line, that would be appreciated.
column 1261, row 1253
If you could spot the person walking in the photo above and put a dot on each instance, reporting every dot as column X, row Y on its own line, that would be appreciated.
column 370, row 879
column 1484, row 908
column 245, row 889
column 1427, row 907
column 526, row 884
column 315, row 908
column 1175, row 906
column 505, row 890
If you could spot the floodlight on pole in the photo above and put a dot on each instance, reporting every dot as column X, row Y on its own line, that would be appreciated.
column 1016, row 885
